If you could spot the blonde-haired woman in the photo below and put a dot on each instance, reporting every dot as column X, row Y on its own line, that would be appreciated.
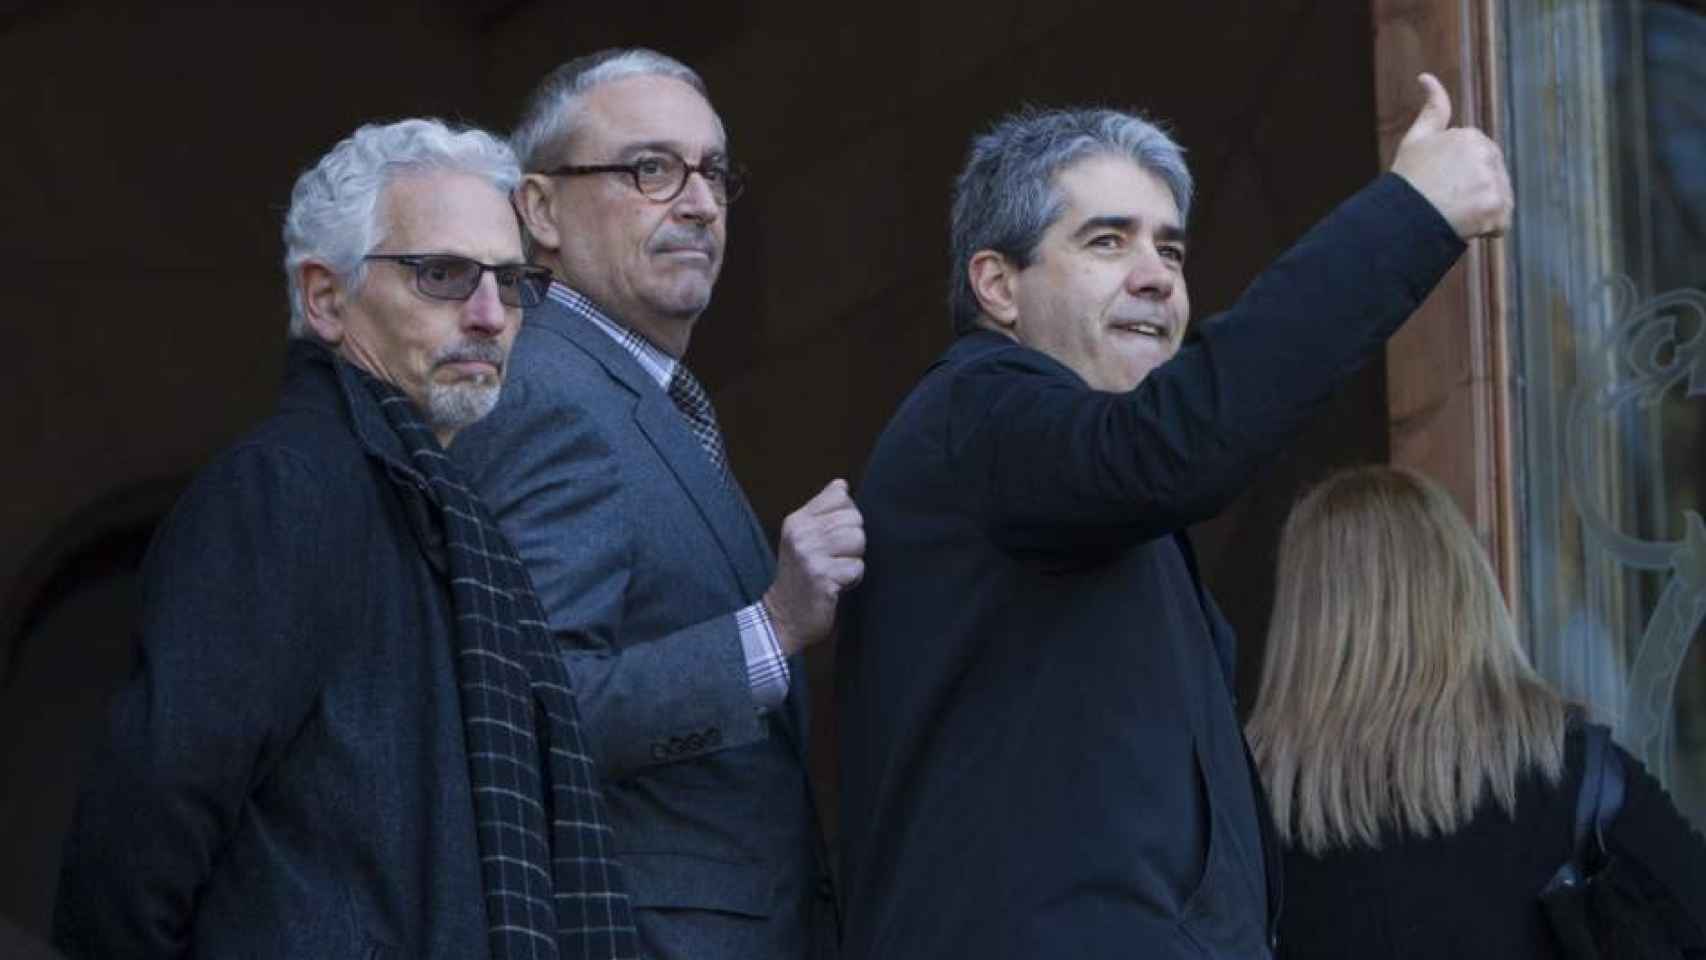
column 1423, row 777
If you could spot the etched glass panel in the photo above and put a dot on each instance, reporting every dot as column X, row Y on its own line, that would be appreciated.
column 1606, row 113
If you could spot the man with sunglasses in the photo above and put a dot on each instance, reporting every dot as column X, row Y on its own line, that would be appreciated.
column 349, row 734
column 605, row 464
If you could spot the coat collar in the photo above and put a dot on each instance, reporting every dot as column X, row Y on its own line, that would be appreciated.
column 973, row 344
column 315, row 376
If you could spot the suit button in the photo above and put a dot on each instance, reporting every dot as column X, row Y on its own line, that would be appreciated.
column 825, row 889
column 713, row 736
column 660, row 752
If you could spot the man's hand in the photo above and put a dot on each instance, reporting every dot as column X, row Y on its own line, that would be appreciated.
column 1460, row 171
column 822, row 554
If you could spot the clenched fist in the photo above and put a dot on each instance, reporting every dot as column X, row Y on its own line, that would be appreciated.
column 1460, row 170
column 822, row 554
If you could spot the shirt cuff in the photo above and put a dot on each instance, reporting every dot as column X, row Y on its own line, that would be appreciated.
column 766, row 668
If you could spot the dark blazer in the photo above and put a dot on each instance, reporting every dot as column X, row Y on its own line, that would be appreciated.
column 1474, row 893
column 641, row 556
column 284, row 775
column 1041, row 755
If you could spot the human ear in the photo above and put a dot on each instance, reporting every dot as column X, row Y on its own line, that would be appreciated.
column 322, row 299
column 994, row 280
column 535, row 204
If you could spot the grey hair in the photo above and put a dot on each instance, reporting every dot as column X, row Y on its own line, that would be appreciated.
column 552, row 109
column 334, row 206
column 1006, row 196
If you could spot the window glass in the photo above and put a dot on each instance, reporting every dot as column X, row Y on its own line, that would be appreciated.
column 1606, row 113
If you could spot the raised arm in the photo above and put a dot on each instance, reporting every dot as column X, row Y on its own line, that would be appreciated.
column 1064, row 466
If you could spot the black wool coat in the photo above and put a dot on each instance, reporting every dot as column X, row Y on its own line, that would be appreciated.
column 285, row 774
column 1041, row 753
column 1474, row 892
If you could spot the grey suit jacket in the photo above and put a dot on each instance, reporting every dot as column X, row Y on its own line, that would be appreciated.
column 642, row 555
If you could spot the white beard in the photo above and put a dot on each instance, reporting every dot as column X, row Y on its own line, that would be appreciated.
column 452, row 406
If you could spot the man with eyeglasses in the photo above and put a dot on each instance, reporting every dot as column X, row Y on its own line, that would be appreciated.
column 605, row 464
column 349, row 734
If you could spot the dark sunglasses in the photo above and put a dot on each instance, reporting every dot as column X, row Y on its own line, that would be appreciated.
column 445, row 276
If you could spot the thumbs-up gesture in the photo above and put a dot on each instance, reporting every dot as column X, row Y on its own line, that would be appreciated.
column 1460, row 170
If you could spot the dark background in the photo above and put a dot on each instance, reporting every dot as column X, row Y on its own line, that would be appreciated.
column 149, row 155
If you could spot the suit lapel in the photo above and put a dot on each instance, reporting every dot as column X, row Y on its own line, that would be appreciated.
column 721, row 506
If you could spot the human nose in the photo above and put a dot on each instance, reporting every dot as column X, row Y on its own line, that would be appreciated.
column 697, row 203
column 484, row 313
column 1151, row 277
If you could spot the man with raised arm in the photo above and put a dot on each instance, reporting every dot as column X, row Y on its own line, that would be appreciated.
column 1041, row 756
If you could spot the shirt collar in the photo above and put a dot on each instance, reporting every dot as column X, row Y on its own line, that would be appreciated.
column 658, row 365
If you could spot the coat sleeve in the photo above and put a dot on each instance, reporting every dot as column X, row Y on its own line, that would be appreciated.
column 234, row 606
column 1062, row 467
column 550, row 476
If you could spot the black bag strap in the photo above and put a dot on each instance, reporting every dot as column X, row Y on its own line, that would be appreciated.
column 1601, row 796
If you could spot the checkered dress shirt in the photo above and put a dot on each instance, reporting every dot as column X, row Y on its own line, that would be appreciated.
column 766, row 668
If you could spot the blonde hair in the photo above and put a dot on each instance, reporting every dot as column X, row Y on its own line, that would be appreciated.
column 1394, row 693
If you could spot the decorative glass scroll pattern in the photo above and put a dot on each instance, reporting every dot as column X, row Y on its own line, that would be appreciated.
column 1653, row 348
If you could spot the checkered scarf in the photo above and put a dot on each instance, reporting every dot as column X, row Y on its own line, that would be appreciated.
column 553, row 887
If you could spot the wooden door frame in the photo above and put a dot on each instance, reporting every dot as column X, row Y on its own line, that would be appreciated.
column 1448, row 381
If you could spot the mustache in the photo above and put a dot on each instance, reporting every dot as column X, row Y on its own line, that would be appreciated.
column 473, row 351
column 677, row 237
